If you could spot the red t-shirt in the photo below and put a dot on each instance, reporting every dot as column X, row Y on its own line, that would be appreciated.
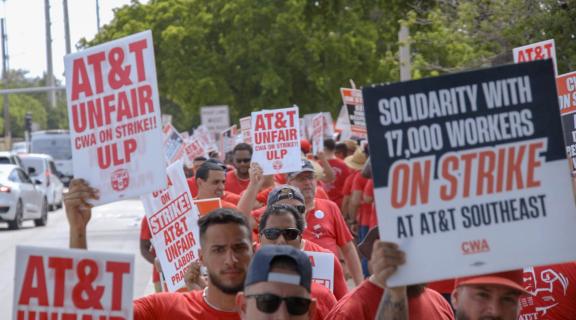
column 231, row 197
column 176, row 305
column 325, row 300
column 334, row 189
column 442, row 286
column 192, row 186
column 553, row 291
column 347, row 189
column 234, row 183
column 363, row 211
column 145, row 234
column 326, row 226
column 340, row 286
column 321, row 193
column 362, row 303
column 371, row 220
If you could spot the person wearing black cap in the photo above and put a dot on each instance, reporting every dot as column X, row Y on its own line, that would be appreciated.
column 277, row 285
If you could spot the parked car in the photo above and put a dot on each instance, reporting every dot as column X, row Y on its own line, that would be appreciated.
column 55, row 143
column 21, row 198
column 42, row 168
column 20, row 147
column 9, row 158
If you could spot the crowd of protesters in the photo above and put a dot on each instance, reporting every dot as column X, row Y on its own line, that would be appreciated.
column 253, row 266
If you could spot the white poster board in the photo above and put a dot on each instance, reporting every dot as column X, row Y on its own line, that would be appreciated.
column 173, row 221
column 276, row 140
column 352, row 99
column 537, row 51
column 317, row 133
column 51, row 283
column 114, row 116
column 461, row 181
column 322, row 268
column 245, row 128
column 173, row 144
column 215, row 118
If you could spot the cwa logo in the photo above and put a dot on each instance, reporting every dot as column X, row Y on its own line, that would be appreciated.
column 474, row 246
column 120, row 179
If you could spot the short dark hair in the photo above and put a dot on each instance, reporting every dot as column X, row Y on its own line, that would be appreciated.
column 205, row 169
column 279, row 209
column 200, row 158
column 329, row 144
column 242, row 146
column 223, row 216
column 341, row 147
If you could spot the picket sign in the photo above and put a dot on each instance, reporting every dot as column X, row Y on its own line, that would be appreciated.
column 322, row 268
column 470, row 161
column 194, row 149
column 206, row 138
column 343, row 124
column 354, row 103
column 276, row 140
column 566, row 86
column 227, row 141
column 114, row 117
column 173, row 144
column 173, row 221
column 53, row 283
column 215, row 118
column 537, row 51
column 206, row 206
column 317, row 133
column 245, row 128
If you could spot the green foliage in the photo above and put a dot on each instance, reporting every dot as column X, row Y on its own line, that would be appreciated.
column 254, row 54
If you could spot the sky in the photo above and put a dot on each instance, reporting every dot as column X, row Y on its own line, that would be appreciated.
column 25, row 27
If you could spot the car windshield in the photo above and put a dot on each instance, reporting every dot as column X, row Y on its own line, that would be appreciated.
column 5, row 160
column 59, row 149
column 36, row 163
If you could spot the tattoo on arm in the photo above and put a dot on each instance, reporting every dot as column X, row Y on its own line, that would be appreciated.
column 392, row 308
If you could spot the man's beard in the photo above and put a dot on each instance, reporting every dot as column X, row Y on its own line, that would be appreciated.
column 224, row 288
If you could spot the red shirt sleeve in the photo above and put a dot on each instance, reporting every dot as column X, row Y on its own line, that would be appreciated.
column 347, row 190
column 340, row 287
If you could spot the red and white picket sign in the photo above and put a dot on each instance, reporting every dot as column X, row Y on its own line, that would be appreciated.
column 317, row 133
column 173, row 221
column 173, row 144
column 276, row 140
column 114, row 115
column 245, row 128
column 566, row 86
column 205, row 137
column 354, row 103
column 227, row 140
column 56, row 283
column 194, row 149
column 322, row 268
column 536, row 51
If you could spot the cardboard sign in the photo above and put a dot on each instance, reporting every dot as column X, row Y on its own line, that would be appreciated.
column 206, row 206
column 227, row 141
column 302, row 130
column 276, row 140
column 114, row 114
column 72, row 284
column 566, row 86
column 215, row 118
column 245, row 128
column 173, row 144
column 354, row 103
column 193, row 150
column 205, row 137
column 317, row 133
column 537, row 51
column 464, row 163
column 173, row 221
column 343, row 124
column 328, row 125
column 322, row 268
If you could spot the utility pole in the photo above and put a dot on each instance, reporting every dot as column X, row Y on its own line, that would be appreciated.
column 49, row 71
column 66, row 26
column 7, row 128
column 404, row 52
column 98, row 14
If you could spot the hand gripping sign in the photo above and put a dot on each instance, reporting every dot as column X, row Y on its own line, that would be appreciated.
column 473, row 171
column 173, row 221
column 536, row 51
column 322, row 268
column 72, row 284
column 114, row 115
column 276, row 140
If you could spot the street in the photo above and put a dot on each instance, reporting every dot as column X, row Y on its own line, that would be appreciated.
column 114, row 227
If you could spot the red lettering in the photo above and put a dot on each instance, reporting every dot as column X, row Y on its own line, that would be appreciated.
column 137, row 48
column 34, row 271
column 60, row 265
column 96, row 61
column 400, row 184
column 118, row 269
column 80, row 80
column 448, row 192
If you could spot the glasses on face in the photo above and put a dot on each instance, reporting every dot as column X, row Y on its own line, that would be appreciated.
column 301, row 208
column 243, row 160
column 269, row 303
column 274, row 233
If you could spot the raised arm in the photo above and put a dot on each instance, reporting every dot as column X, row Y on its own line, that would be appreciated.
column 79, row 211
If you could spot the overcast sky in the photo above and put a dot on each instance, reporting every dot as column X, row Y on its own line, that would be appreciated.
column 26, row 30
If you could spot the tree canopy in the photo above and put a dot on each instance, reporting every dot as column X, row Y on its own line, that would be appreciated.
column 254, row 54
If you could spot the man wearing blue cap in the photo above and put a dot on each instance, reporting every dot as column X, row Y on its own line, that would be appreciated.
column 277, row 285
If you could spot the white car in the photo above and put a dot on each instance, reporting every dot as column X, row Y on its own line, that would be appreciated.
column 20, row 198
column 41, row 167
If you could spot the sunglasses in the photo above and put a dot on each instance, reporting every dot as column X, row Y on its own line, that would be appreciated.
column 274, row 233
column 243, row 160
column 301, row 208
column 269, row 303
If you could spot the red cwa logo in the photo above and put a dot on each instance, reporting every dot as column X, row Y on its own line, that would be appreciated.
column 120, row 179
column 475, row 246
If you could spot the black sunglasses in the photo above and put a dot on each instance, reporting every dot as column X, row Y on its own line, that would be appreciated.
column 273, row 233
column 301, row 208
column 269, row 303
column 243, row 160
